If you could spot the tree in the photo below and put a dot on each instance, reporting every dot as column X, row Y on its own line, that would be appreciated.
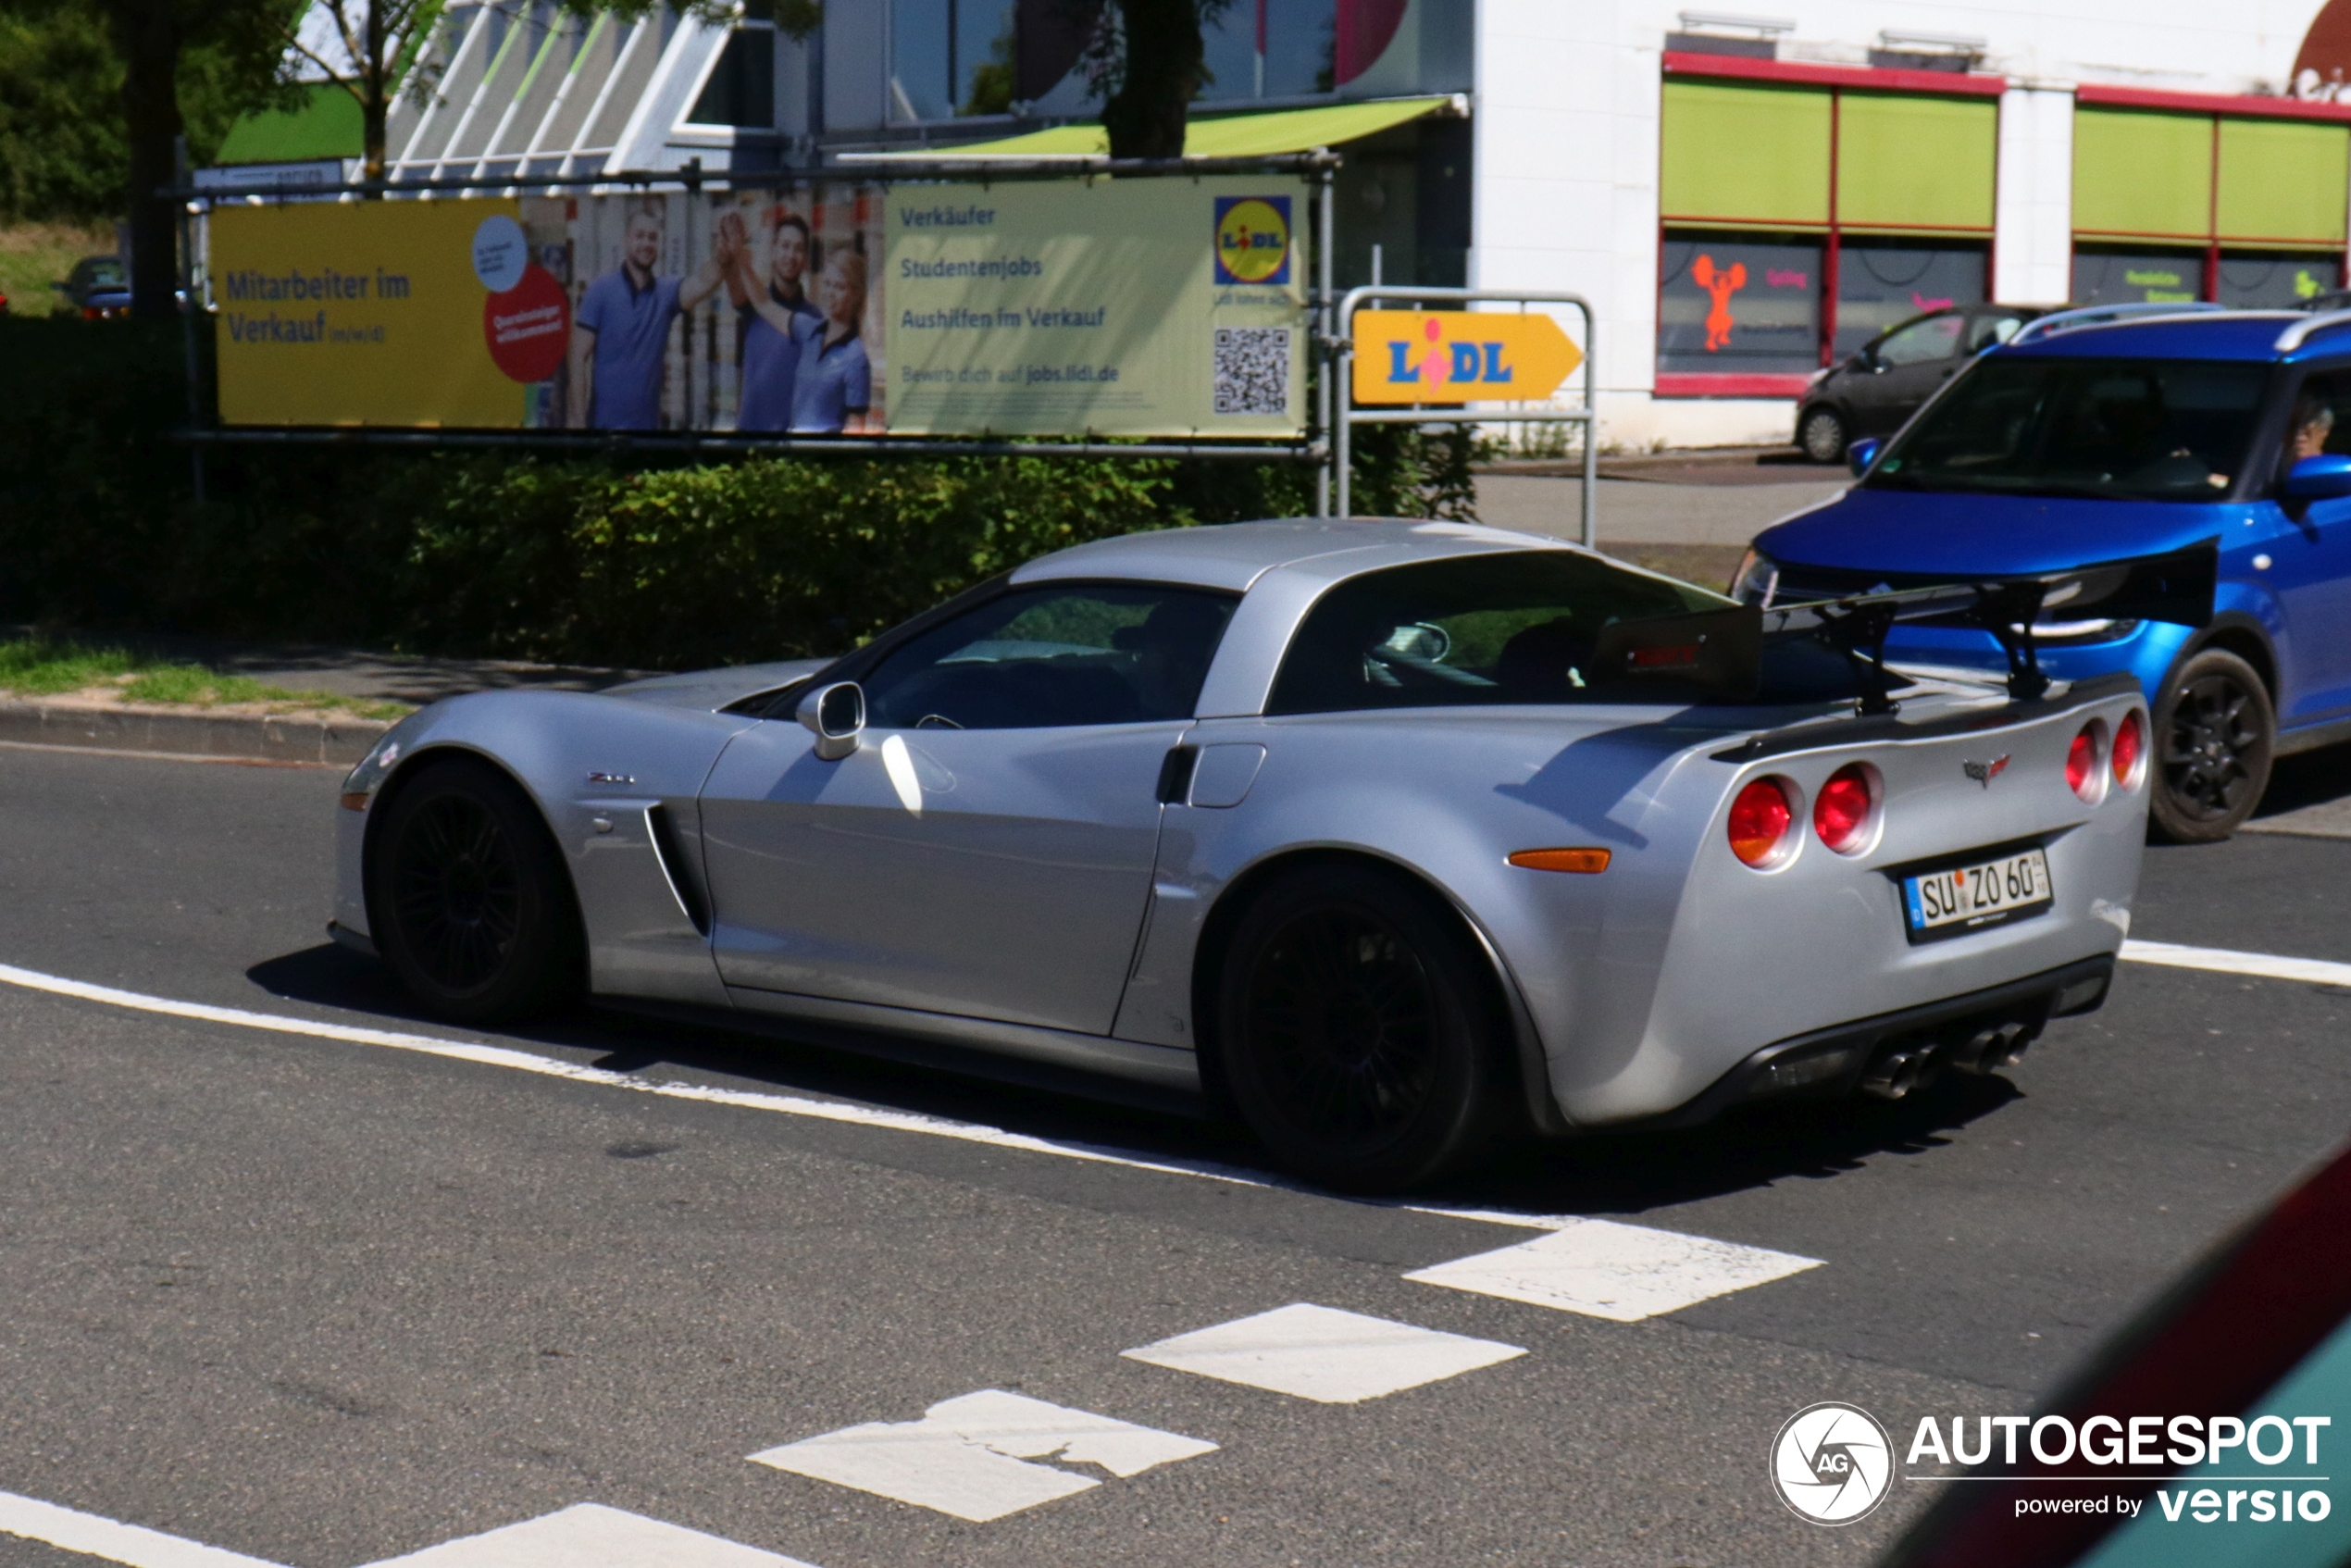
column 152, row 37
column 1147, row 59
column 364, row 47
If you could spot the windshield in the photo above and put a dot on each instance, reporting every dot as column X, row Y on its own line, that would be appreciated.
column 2149, row 429
column 1514, row 626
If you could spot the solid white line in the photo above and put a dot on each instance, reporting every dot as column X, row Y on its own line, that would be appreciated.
column 162, row 756
column 785, row 1104
column 88, row 1534
column 2220, row 960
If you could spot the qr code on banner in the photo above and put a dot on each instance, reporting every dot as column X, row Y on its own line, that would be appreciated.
column 1253, row 370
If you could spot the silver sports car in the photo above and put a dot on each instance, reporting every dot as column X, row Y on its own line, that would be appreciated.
column 1392, row 837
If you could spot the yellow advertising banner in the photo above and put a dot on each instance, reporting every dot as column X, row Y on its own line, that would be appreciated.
column 1459, row 356
column 1131, row 307
column 380, row 313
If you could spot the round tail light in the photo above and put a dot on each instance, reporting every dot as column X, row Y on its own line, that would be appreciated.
column 2083, row 759
column 1845, row 812
column 1761, row 817
column 2130, row 750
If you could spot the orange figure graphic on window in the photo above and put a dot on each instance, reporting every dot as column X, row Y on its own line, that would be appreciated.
column 1720, row 287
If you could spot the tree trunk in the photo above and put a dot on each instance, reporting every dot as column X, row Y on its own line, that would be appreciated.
column 375, row 95
column 147, row 34
column 1161, row 74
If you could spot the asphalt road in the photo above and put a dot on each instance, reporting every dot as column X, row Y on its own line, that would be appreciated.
column 323, row 1303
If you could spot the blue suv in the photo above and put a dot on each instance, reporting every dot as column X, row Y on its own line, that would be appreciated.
column 2094, row 435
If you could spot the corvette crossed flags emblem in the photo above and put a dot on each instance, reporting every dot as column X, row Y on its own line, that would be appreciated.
column 1984, row 772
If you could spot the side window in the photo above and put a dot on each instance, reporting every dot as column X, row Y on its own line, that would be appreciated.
column 1937, row 337
column 1052, row 657
column 1990, row 330
column 2321, row 422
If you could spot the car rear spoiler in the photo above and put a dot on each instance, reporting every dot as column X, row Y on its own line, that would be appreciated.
column 1722, row 652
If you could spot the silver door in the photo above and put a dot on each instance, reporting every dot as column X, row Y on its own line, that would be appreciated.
column 961, row 860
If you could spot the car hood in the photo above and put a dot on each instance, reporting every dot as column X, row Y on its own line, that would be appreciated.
column 713, row 689
column 1930, row 533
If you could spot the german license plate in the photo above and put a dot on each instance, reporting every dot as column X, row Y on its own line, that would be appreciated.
column 1976, row 897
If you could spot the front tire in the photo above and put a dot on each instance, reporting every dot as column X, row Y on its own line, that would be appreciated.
column 1357, row 1034
column 1824, row 436
column 2215, row 736
column 469, row 897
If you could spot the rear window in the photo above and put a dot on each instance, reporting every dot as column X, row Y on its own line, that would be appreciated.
column 2140, row 430
column 1514, row 626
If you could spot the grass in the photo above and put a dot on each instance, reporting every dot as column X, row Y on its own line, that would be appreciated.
column 33, row 667
column 34, row 255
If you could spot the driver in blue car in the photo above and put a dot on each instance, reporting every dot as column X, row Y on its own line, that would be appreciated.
column 2306, row 435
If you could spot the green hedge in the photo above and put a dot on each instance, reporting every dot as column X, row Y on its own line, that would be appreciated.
column 571, row 559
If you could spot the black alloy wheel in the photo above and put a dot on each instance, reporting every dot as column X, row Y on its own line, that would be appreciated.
column 2215, row 734
column 1822, row 435
column 469, row 897
column 1357, row 1033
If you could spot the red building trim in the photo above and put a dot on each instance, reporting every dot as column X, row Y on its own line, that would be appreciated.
column 1681, row 62
column 1712, row 385
column 2235, row 105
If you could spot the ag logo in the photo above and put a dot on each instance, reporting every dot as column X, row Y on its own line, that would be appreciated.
column 1831, row 1463
column 1252, row 240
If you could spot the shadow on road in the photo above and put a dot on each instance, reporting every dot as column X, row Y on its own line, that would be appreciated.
column 1603, row 1173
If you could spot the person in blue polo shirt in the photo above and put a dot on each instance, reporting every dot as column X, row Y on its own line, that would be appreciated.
column 622, row 329
column 834, row 384
column 770, row 313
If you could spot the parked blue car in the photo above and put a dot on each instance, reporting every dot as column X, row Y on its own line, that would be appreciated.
column 2099, row 434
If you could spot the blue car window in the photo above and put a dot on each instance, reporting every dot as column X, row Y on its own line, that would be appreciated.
column 1053, row 657
column 2147, row 429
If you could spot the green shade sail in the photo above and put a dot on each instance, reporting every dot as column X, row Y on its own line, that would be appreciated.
column 1742, row 154
column 1907, row 161
column 327, row 125
column 2141, row 172
column 2283, row 179
column 1228, row 136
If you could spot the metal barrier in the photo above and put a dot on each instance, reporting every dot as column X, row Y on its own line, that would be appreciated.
column 1340, row 370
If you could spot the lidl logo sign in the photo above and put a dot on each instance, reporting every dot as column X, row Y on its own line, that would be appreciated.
column 1459, row 356
column 1252, row 240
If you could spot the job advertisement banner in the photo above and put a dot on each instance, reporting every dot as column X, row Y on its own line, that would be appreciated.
column 1125, row 307
column 751, row 311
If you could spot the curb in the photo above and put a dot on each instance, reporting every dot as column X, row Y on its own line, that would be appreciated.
column 314, row 740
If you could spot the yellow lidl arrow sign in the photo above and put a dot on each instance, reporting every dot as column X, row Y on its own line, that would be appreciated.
column 1459, row 356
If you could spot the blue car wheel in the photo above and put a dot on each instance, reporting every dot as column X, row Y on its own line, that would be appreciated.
column 2215, row 733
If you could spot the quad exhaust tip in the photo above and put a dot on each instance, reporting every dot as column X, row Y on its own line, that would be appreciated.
column 1895, row 1072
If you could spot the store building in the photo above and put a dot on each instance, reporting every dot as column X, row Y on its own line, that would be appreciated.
column 1743, row 198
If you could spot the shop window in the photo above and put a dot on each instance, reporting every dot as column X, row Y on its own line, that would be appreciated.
column 950, row 57
column 2267, row 282
column 1880, row 283
column 1739, row 305
column 2117, row 277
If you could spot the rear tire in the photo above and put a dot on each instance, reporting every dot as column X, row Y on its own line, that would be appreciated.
column 1357, row 1033
column 469, row 900
column 2215, row 736
column 1824, row 436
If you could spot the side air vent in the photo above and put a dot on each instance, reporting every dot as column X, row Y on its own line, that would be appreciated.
column 683, row 887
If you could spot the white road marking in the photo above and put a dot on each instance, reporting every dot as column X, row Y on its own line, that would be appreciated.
column 163, row 756
column 1620, row 1272
column 2221, row 961
column 1322, row 1353
column 589, row 1535
column 784, row 1104
column 967, row 1456
column 88, row 1534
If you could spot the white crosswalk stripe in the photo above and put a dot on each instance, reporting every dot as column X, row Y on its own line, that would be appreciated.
column 1324, row 1354
column 968, row 1456
column 591, row 1536
column 1620, row 1272
column 71, row 1530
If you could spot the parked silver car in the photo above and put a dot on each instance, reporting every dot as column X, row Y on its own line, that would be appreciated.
column 1391, row 836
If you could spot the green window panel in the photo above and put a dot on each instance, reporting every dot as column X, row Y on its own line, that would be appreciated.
column 2136, row 172
column 2283, row 179
column 1736, row 153
column 1912, row 161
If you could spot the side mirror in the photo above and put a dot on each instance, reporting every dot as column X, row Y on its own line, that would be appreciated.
column 836, row 716
column 2324, row 478
column 1862, row 453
